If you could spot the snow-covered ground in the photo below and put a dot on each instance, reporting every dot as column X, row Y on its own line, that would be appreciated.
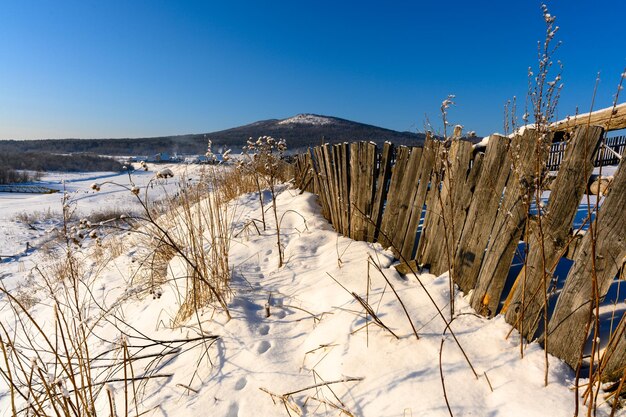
column 29, row 218
column 318, row 352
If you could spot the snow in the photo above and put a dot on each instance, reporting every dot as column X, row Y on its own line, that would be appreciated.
column 307, row 119
column 316, row 333
column 582, row 116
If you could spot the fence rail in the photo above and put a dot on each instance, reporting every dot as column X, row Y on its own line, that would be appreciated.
column 473, row 209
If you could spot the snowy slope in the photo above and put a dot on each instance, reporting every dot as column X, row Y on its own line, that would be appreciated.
column 318, row 352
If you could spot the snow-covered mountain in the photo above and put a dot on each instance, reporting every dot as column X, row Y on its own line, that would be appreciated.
column 307, row 119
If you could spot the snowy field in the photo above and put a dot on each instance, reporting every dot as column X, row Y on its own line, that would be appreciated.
column 317, row 353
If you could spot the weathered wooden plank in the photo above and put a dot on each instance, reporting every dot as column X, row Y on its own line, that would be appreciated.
column 418, row 199
column 355, row 186
column 566, row 330
column 382, row 186
column 461, row 208
column 322, row 183
column 370, row 150
column 402, row 202
column 547, row 244
column 344, row 163
column 481, row 214
column 391, row 207
column 343, row 200
column 609, row 118
column 440, row 232
column 362, row 165
column 332, row 186
column 310, row 187
column 433, row 207
column 526, row 151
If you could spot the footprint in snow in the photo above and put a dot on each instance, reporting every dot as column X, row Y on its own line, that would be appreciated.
column 241, row 383
column 264, row 330
column 280, row 314
column 264, row 346
column 233, row 410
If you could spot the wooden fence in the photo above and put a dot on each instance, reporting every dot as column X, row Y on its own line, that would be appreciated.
column 450, row 208
column 607, row 154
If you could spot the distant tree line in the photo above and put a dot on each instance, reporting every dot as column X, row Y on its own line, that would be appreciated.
column 13, row 164
column 11, row 176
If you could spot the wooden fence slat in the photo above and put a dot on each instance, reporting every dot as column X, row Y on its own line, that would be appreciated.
column 391, row 206
column 342, row 199
column 311, row 183
column 322, row 183
column 362, row 167
column 439, row 234
column 355, row 184
column 371, row 172
column 382, row 186
column 332, row 186
column 344, row 163
column 481, row 214
column 433, row 208
column 509, row 222
column 463, row 200
column 418, row 199
column 568, row 188
column 402, row 202
column 566, row 330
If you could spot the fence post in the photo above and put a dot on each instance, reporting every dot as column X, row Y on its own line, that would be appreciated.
column 510, row 220
column 566, row 329
column 546, row 246
column 482, row 211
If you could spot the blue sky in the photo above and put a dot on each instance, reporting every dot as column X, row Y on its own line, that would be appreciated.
column 147, row 68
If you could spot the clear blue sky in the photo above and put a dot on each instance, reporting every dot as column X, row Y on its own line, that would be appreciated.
column 130, row 68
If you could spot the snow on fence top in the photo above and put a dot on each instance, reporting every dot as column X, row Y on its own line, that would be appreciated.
column 611, row 118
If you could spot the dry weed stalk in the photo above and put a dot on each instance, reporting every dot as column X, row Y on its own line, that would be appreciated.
column 264, row 162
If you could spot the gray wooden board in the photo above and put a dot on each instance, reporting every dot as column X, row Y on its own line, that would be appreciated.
column 398, row 225
column 382, row 184
column 438, row 229
column 458, row 201
column 322, row 183
column 371, row 150
column 419, row 196
column 482, row 211
column 332, row 190
column 544, row 252
column 391, row 207
column 362, row 167
column 342, row 198
column 566, row 330
column 355, row 185
column 433, row 208
column 345, row 179
column 509, row 222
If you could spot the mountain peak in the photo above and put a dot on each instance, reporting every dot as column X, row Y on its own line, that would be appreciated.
column 307, row 119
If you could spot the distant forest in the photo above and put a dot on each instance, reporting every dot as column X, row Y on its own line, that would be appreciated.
column 13, row 164
column 10, row 176
column 190, row 144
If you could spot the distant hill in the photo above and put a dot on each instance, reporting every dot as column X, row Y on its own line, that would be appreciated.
column 300, row 132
